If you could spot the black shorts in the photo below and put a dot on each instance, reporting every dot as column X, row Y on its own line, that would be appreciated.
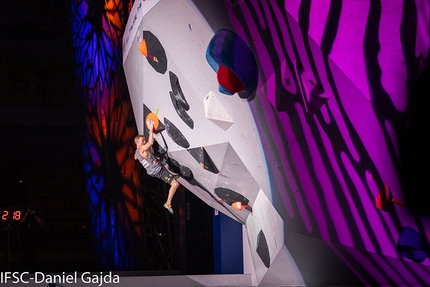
column 164, row 175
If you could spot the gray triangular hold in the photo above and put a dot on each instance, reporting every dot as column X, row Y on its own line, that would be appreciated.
column 216, row 113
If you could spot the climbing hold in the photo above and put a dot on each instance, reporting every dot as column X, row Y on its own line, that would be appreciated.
column 233, row 61
column 152, row 117
column 238, row 205
column 412, row 245
column 384, row 198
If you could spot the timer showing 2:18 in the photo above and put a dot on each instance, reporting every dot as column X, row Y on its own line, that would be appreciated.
column 11, row 215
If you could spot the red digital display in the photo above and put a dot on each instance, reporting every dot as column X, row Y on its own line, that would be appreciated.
column 11, row 214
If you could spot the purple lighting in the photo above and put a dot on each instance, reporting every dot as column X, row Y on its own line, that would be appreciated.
column 337, row 130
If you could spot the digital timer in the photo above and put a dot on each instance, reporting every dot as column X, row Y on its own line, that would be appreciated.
column 13, row 214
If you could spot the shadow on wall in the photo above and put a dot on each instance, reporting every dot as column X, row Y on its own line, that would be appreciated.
column 414, row 148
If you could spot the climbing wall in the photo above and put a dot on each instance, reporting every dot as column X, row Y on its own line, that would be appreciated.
column 207, row 132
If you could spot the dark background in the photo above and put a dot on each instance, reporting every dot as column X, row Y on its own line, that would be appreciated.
column 40, row 154
column 41, row 158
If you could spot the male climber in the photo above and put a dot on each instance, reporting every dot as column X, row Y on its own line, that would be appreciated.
column 152, row 165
